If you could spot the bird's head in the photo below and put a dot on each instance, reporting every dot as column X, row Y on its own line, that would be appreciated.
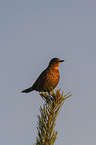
column 55, row 62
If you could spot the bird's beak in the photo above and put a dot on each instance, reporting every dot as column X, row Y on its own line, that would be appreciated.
column 62, row 60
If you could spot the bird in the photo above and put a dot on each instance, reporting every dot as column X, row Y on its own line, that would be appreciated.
column 48, row 79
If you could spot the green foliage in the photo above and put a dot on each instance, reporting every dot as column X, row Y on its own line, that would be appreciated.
column 47, row 120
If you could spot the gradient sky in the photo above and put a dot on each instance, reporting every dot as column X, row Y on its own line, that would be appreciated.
column 31, row 33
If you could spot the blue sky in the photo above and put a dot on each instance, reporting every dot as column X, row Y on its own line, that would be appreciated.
column 31, row 33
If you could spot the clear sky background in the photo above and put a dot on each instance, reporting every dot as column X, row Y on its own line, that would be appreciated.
column 31, row 33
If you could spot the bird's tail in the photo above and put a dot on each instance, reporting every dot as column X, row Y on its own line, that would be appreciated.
column 27, row 90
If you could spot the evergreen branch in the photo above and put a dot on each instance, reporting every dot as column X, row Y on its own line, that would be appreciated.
column 47, row 120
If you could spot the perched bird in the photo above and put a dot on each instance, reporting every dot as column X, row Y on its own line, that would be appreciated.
column 48, row 79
